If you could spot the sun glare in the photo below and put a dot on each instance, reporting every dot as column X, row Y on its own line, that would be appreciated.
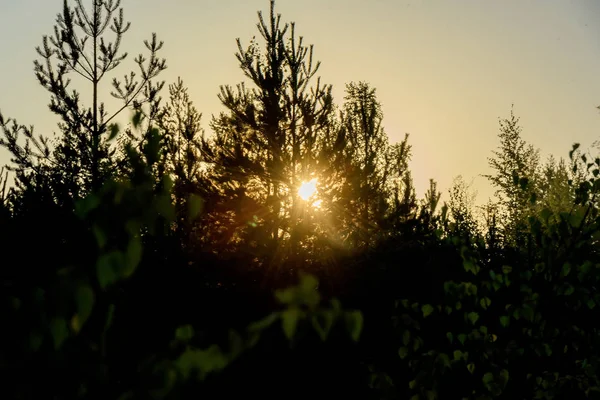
column 308, row 189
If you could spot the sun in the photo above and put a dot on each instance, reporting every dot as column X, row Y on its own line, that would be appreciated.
column 308, row 189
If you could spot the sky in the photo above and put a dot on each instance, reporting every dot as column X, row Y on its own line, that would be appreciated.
column 444, row 71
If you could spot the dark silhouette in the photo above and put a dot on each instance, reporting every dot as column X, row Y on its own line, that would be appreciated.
column 284, row 255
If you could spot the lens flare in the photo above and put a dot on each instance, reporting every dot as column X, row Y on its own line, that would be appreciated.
column 308, row 189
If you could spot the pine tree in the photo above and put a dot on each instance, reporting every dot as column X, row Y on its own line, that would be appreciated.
column 83, row 156
column 179, row 122
column 515, row 166
column 366, row 149
column 269, row 140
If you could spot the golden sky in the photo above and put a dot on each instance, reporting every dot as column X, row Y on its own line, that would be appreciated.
column 444, row 70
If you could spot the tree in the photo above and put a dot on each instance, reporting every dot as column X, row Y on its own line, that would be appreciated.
column 179, row 122
column 515, row 165
column 461, row 207
column 83, row 157
column 269, row 140
column 367, row 170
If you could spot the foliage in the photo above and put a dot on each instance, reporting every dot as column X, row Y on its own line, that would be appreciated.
column 141, row 262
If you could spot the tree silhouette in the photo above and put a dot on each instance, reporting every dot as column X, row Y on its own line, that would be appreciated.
column 80, row 46
column 515, row 166
column 269, row 140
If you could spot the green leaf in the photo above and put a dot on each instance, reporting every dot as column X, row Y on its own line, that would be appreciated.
column 427, row 309
column 473, row 317
column 471, row 367
column 403, row 352
column 322, row 323
column 289, row 321
column 487, row 378
column 308, row 293
column 133, row 256
column 84, row 206
column 569, row 290
column 458, row 355
column 195, row 205
column 406, row 337
column 204, row 361
column 263, row 324
column 444, row 360
column 412, row 384
column 504, row 320
column 450, row 337
column 236, row 344
column 184, row 333
column 591, row 304
column 485, row 302
column 506, row 269
column 286, row 296
column 107, row 267
column 100, row 236
column 59, row 331
column 354, row 324
column 109, row 317
column 35, row 341
column 84, row 298
column 566, row 269
column 461, row 338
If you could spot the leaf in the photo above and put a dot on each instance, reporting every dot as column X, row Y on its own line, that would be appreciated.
column 591, row 304
column 473, row 317
column 84, row 298
column 461, row 338
column 566, row 269
column 59, row 331
column 106, row 268
column 195, row 205
column 569, row 290
column 114, row 131
column 504, row 320
column 136, row 119
column 485, row 302
column 184, row 333
column 487, row 378
column 236, row 343
column 286, row 296
column 458, row 355
column 109, row 317
column 504, row 375
column 427, row 309
column 308, row 293
column 471, row 367
column 35, row 342
column 354, row 324
column 444, row 360
column 506, row 269
column 403, row 352
column 205, row 361
column 450, row 337
column 263, row 324
column 289, row 321
column 84, row 206
column 323, row 329
column 133, row 256
column 100, row 236
column 406, row 337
